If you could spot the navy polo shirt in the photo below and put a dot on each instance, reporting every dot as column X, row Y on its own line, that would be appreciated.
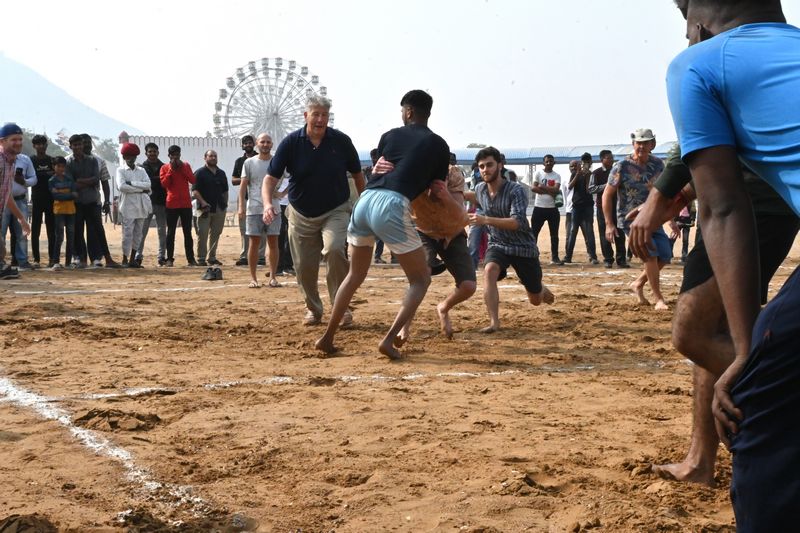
column 318, row 181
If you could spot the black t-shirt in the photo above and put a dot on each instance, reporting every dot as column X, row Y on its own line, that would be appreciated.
column 158, row 195
column 44, row 171
column 213, row 187
column 419, row 156
column 238, row 165
column 580, row 191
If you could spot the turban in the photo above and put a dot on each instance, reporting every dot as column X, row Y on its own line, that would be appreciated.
column 10, row 129
column 130, row 150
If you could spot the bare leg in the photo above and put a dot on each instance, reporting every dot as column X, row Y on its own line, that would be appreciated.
column 252, row 256
column 360, row 260
column 461, row 293
column 491, row 296
column 545, row 296
column 652, row 268
column 698, row 466
column 415, row 266
column 404, row 334
column 272, row 242
column 700, row 333
column 638, row 288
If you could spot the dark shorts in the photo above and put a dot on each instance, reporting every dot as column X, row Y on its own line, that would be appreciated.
column 776, row 234
column 765, row 489
column 456, row 256
column 528, row 269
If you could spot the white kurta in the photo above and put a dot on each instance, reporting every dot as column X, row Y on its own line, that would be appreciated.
column 134, row 188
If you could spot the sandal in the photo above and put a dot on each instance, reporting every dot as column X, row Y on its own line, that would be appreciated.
column 274, row 283
column 254, row 285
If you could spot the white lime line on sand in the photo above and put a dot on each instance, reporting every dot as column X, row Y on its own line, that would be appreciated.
column 175, row 495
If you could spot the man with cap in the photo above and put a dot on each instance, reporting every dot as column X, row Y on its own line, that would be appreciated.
column 10, row 148
column 24, row 178
column 633, row 177
column 134, row 203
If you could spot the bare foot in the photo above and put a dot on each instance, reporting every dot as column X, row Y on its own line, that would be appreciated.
column 638, row 291
column 661, row 305
column 547, row 296
column 489, row 329
column 325, row 345
column 684, row 472
column 401, row 338
column 444, row 321
column 389, row 351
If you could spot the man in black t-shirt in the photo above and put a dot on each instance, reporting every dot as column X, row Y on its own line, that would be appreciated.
column 158, row 199
column 41, row 200
column 582, row 210
column 420, row 160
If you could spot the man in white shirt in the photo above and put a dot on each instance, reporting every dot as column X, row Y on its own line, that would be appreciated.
column 546, row 185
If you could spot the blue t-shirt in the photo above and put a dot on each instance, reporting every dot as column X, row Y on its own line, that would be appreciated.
column 742, row 89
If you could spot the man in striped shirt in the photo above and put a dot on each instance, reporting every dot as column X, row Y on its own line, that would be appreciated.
column 10, row 147
column 504, row 205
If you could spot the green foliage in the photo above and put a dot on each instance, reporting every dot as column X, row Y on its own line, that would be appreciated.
column 27, row 147
column 107, row 149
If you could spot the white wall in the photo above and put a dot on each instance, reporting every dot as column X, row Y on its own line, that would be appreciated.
column 192, row 149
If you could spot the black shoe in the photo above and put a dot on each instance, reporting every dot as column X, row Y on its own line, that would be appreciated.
column 379, row 261
column 289, row 271
column 9, row 273
column 124, row 263
column 594, row 262
column 567, row 260
column 262, row 262
column 623, row 265
column 241, row 262
column 217, row 273
column 162, row 262
column 169, row 263
column 209, row 275
column 557, row 262
column 214, row 262
column 202, row 263
column 608, row 264
column 192, row 263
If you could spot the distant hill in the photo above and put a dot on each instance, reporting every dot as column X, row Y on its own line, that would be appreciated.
column 33, row 102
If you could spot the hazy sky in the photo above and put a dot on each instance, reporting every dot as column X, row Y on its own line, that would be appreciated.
column 513, row 73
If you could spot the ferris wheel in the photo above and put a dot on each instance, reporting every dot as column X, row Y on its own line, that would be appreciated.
column 266, row 97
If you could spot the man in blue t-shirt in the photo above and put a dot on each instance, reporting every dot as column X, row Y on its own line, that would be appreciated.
column 734, row 98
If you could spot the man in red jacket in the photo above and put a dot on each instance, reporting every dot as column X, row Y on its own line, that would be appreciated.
column 176, row 177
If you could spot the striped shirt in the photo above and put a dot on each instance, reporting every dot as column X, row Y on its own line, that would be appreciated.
column 511, row 201
column 7, row 170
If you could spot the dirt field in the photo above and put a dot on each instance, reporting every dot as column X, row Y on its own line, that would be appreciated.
column 149, row 400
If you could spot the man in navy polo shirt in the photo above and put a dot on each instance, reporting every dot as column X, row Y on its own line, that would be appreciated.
column 318, row 159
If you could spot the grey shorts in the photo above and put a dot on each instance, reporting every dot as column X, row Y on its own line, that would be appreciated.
column 255, row 227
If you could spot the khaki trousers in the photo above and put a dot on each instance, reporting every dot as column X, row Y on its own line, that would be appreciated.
column 311, row 239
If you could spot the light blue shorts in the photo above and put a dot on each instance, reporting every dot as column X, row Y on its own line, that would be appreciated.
column 661, row 248
column 386, row 215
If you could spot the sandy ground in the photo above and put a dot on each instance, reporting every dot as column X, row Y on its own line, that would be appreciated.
column 149, row 400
